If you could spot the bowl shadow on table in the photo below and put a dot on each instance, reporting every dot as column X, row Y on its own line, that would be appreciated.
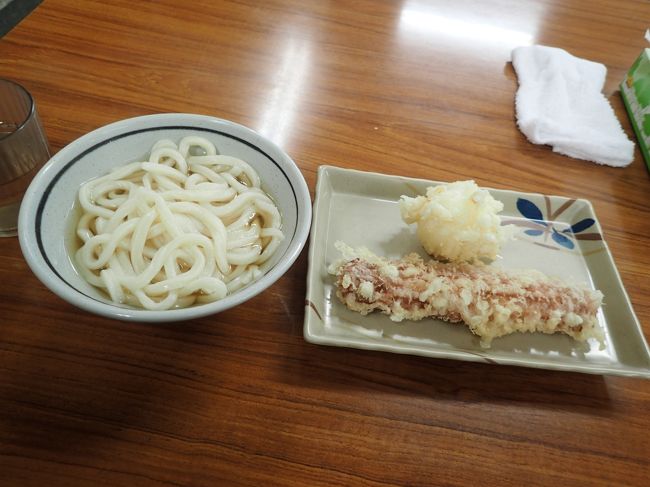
column 88, row 387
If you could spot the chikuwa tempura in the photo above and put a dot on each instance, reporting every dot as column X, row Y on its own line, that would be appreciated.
column 492, row 302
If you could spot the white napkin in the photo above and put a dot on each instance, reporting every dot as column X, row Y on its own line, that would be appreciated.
column 559, row 103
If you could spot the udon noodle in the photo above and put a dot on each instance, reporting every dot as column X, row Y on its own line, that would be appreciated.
column 186, row 226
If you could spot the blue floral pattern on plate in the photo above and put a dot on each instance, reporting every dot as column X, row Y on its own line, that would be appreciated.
column 542, row 228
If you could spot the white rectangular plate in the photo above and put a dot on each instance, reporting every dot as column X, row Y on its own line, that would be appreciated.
column 558, row 236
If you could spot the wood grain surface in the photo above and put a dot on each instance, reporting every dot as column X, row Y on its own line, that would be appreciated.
column 415, row 88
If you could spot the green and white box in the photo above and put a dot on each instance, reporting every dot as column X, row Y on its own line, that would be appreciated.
column 635, row 90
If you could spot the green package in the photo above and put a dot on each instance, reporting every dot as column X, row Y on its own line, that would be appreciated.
column 635, row 90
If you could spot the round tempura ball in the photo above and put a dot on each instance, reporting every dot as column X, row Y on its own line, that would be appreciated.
column 457, row 222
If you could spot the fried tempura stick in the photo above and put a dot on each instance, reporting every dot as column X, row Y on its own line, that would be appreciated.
column 491, row 302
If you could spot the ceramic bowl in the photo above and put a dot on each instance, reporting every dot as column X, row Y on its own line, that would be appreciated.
column 46, row 221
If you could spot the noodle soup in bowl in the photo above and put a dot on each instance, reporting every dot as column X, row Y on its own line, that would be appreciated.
column 237, row 218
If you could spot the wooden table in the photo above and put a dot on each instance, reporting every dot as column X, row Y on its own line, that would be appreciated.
column 415, row 88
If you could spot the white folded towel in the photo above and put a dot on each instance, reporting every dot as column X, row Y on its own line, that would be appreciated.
column 559, row 102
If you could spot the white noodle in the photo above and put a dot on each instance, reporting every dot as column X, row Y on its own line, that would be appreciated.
column 178, row 229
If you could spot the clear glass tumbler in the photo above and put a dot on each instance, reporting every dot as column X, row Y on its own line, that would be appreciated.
column 23, row 150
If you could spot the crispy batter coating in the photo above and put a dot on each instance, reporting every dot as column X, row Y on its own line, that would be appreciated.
column 492, row 302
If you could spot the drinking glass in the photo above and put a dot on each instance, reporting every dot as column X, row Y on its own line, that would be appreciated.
column 23, row 150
